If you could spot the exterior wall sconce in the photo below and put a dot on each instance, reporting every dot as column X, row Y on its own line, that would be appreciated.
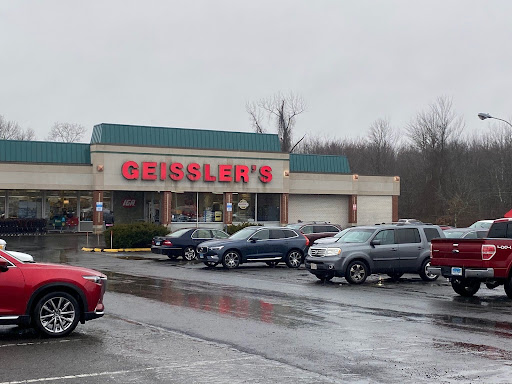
column 397, row 178
column 286, row 173
column 100, row 168
column 355, row 177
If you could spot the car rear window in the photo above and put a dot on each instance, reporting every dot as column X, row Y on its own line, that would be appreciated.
column 501, row 230
column 277, row 234
column 202, row 234
column 289, row 233
column 431, row 233
column 408, row 235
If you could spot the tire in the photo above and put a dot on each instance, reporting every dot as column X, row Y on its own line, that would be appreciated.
column 508, row 287
column 231, row 259
column 56, row 314
column 294, row 259
column 271, row 264
column 189, row 254
column 357, row 272
column 324, row 278
column 465, row 287
column 210, row 264
column 424, row 274
column 395, row 276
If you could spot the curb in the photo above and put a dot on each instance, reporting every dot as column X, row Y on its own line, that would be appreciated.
column 116, row 250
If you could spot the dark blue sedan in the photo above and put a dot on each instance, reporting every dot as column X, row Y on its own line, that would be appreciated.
column 264, row 244
column 183, row 242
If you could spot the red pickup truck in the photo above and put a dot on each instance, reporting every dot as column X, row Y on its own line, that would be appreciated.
column 470, row 262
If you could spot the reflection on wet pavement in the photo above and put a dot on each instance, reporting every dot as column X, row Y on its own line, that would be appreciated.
column 210, row 298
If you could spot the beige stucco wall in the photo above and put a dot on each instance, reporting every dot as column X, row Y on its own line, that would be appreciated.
column 113, row 157
column 45, row 176
column 374, row 210
column 309, row 183
column 330, row 208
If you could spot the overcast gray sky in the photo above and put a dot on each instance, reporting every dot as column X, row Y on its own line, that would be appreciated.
column 195, row 64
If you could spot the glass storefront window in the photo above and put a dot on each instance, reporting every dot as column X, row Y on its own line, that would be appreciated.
column 268, row 207
column 210, row 207
column 184, row 207
column 25, row 204
column 86, row 210
column 61, row 209
column 244, row 207
column 2, row 204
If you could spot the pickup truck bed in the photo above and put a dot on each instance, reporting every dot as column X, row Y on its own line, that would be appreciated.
column 469, row 262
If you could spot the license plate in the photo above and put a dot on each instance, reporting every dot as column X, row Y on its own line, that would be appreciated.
column 157, row 243
column 456, row 271
column 314, row 266
column 201, row 256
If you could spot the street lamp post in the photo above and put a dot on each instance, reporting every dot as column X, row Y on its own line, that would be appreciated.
column 484, row 116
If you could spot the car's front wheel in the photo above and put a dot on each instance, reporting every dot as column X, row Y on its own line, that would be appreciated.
column 357, row 272
column 425, row 274
column 231, row 259
column 293, row 259
column 56, row 314
column 189, row 253
column 465, row 287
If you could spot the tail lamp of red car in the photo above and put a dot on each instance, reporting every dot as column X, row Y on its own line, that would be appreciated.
column 488, row 251
column 307, row 240
column 167, row 242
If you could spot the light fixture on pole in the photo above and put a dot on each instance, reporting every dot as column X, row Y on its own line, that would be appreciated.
column 483, row 116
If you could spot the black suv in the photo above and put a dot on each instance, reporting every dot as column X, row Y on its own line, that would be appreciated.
column 393, row 249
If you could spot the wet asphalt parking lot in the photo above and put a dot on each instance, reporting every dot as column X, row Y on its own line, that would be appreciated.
column 180, row 322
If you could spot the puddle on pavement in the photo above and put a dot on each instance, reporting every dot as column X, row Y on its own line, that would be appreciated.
column 211, row 298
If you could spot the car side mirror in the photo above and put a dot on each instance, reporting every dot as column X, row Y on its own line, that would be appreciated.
column 4, row 266
column 375, row 242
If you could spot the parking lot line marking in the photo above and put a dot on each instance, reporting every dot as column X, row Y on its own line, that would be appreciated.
column 32, row 343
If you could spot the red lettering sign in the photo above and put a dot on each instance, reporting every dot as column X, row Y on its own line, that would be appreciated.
column 129, row 203
column 226, row 173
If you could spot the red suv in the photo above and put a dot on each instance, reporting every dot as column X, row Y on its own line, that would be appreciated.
column 51, row 297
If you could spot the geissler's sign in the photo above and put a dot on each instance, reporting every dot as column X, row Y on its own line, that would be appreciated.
column 225, row 173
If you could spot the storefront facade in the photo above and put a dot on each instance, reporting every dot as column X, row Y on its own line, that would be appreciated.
column 182, row 178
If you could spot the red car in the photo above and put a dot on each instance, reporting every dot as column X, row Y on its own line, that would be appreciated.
column 51, row 297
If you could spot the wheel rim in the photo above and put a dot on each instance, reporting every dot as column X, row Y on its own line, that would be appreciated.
column 231, row 259
column 189, row 253
column 427, row 273
column 57, row 315
column 294, row 258
column 357, row 272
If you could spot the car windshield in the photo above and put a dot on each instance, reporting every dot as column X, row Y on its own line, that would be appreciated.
column 243, row 233
column 342, row 233
column 356, row 236
column 178, row 233
column 453, row 234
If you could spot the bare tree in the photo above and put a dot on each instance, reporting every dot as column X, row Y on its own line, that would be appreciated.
column 280, row 109
column 11, row 130
column 381, row 141
column 66, row 132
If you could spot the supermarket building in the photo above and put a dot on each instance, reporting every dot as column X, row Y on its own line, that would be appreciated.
column 184, row 177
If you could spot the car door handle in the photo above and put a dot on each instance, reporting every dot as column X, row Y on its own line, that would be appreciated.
column 455, row 251
column 394, row 249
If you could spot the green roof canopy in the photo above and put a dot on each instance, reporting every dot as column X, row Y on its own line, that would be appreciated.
column 18, row 151
column 318, row 163
column 184, row 138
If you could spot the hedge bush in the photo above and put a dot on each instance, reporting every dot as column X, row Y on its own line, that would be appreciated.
column 137, row 235
column 232, row 228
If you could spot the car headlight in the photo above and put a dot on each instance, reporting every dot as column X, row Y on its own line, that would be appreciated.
column 94, row 279
column 332, row 251
column 217, row 248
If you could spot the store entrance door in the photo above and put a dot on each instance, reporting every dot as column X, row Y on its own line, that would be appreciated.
column 152, row 208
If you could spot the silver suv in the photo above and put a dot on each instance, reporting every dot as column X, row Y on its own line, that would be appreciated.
column 393, row 249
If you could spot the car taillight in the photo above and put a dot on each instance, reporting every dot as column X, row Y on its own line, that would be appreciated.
column 167, row 242
column 153, row 242
column 488, row 251
column 307, row 240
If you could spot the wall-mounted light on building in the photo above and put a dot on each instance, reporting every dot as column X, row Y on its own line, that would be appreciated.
column 286, row 173
column 355, row 177
column 66, row 202
column 100, row 168
column 397, row 178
